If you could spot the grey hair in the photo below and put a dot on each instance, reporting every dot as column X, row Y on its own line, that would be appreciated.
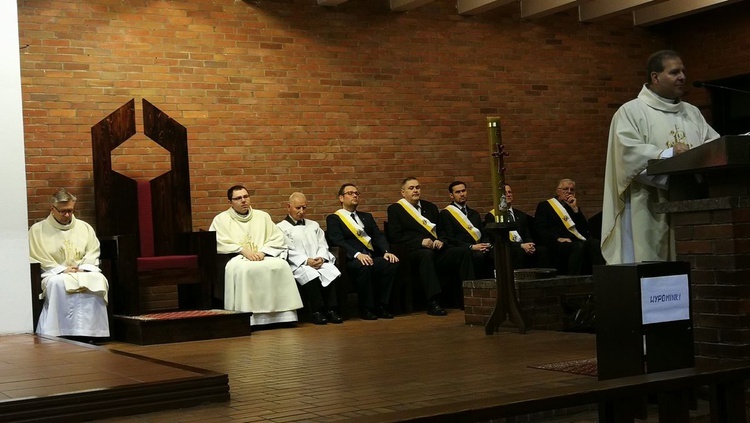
column 62, row 196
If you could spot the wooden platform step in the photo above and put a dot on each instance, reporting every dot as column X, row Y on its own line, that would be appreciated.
column 181, row 326
column 123, row 391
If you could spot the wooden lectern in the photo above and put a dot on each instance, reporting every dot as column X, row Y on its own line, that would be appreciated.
column 709, row 206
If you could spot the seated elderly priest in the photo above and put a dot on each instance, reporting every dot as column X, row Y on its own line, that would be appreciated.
column 73, row 288
column 258, row 278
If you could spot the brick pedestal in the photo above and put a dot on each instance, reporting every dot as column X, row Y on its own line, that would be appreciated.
column 541, row 300
column 714, row 236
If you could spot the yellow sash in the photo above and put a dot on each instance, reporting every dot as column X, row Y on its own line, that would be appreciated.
column 418, row 217
column 355, row 229
column 513, row 235
column 565, row 217
column 464, row 221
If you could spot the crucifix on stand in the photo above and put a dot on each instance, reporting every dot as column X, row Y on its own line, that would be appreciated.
column 506, row 306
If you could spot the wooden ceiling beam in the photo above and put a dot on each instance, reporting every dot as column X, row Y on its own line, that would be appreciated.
column 331, row 2
column 404, row 5
column 475, row 7
column 532, row 9
column 598, row 10
column 674, row 9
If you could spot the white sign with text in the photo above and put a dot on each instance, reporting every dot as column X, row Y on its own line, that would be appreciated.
column 665, row 299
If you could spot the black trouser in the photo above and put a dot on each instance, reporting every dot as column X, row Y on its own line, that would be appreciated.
column 454, row 265
column 523, row 260
column 370, row 279
column 577, row 257
column 319, row 298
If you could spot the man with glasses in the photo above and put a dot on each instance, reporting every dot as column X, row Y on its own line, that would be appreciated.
column 412, row 221
column 73, row 287
column 367, row 252
column 561, row 226
column 258, row 279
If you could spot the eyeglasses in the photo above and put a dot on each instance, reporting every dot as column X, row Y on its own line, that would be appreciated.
column 64, row 212
column 352, row 193
column 240, row 197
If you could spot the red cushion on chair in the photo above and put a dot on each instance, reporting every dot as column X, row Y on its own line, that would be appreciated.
column 167, row 262
column 145, row 219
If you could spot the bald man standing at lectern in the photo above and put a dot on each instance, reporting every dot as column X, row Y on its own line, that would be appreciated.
column 657, row 124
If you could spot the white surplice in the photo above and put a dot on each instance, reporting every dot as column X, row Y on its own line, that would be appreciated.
column 75, row 303
column 641, row 130
column 305, row 242
column 266, row 287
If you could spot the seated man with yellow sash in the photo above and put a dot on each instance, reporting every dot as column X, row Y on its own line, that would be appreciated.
column 562, row 227
column 373, row 266
column 461, row 226
column 413, row 222
column 524, row 252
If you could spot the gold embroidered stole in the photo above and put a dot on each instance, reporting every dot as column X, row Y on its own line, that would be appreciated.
column 423, row 221
column 355, row 229
column 464, row 221
column 565, row 217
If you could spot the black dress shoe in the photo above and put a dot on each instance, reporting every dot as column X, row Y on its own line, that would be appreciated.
column 434, row 309
column 366, row 314
column 383, row 313
column 318, row 318
column 334, row 317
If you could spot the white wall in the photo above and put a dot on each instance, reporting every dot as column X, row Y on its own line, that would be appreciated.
column 15, row 292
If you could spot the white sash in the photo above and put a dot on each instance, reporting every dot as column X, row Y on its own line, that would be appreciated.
column 357, row 230
column 464, row 221
column 562, row 213
column 414, row 213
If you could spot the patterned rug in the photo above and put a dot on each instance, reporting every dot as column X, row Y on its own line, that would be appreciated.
column 187, row 314
column 586, row 366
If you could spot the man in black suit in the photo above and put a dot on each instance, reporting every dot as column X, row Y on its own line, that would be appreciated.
column 461, row 226
column 367, row 251
column 524, row 252
column 562, row 227
column 413, row 222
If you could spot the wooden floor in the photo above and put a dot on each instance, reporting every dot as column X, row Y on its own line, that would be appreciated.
column 319, row 373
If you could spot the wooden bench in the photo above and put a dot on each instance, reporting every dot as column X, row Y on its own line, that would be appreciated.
column 674, row 390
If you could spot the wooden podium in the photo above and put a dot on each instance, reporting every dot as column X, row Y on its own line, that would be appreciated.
column 709, row 205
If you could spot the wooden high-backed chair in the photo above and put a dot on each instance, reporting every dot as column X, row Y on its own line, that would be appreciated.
column 146, row 226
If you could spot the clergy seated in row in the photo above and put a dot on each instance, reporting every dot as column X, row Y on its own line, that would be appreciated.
column 258, row 279
column 73, row 287
column 524, row 252
column 311, row 261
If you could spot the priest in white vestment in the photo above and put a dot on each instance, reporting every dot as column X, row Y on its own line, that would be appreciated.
column 258, row 279
column 73, row 287
column 655, row 125
column 311, row 261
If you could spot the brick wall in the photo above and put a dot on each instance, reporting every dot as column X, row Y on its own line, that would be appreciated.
column 287, row 95
column 717, row 245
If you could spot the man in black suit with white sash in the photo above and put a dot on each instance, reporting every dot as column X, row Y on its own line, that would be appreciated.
column 413, row 222
column 367, row 252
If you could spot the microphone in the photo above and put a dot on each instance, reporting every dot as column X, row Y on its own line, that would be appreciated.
column 701, row 84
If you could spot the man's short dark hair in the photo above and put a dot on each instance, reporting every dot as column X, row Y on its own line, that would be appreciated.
column 348, row 184
column 234, row 188
column 655, row 62
column 453, row 184
column 407, row 179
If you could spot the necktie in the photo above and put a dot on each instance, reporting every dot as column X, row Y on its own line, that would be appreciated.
column 466, row 212
column 512, row 216
column 419, row 210
column 354, row 216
